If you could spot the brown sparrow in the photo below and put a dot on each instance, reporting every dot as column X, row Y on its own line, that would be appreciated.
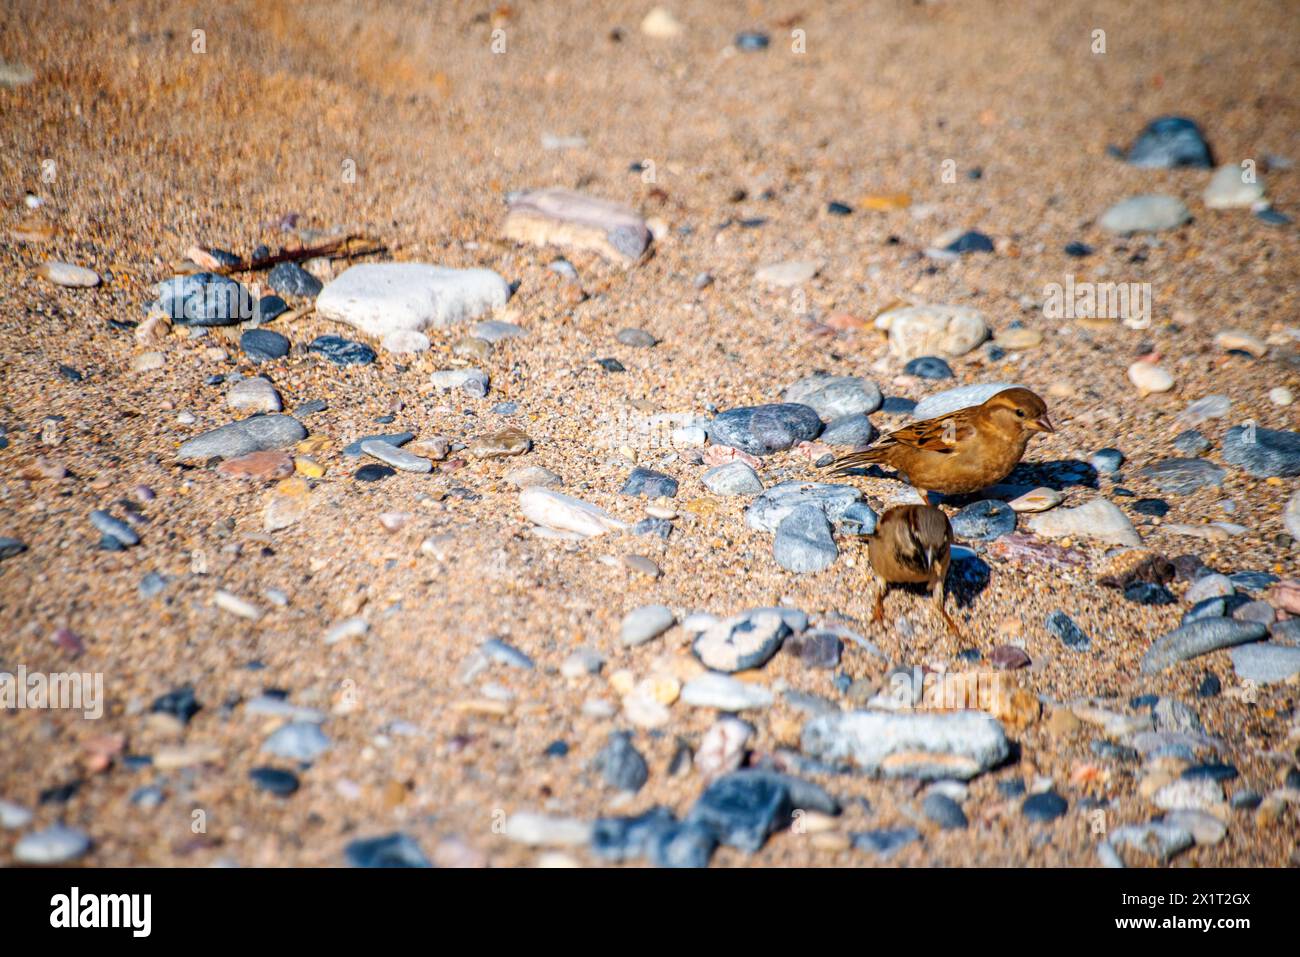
column 911, row 545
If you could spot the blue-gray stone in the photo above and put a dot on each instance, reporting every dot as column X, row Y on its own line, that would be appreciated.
column 803, row 541
column 1286, row 632
column 1212, row 772
column 1106, row 461
column 621, row 764
column 258, row 433
column 343, row 352
column 1148, row 593
column 767, row 511
column 970, row 242
column 1047, row 806
column 961, row 397
column 1265, row 662
column 732, row 478
column 885, row 841
column 9, row 547
column 271, row 307
column 114, row 528
column 311, row 407
column 858, row 519
column 1191, row 442
column 660, row 527
column 1183, row 476
column 1264, row 453
column 849, row 430
column 353, row 449
column 1071, row 635
column 1215, row 607
column 205, row 299
column 835, row 396
column 1169, row 142
column 765, row 429
column 651, row 484
column 290, row 279
column 984, row 521
column 628, row 838
column 686, row 845
column 929, row 367
column 393, row 850
column 297, row 741
column 506, row 654
column 263, row 345
column 1198, row 638
column 752, row 41
column 742, row 808
column 275, row 781
column 944, row 811
column 1253, row 581
column 152, row 585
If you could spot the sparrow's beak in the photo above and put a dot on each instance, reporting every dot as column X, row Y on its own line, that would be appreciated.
column 1041, row 424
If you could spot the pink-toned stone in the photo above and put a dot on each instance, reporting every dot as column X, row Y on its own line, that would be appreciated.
column 258, row 466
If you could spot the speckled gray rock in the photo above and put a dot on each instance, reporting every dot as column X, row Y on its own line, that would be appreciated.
column 396, row 456
column 651, row 484
column 1208, row 586
column 621, row 764
column 1191, row 442
column 290, row 279
column 764, row 429
column 205, row 299
column 1263, row 452
column 849, row 431
column 1183, row 476
column 962, row 397
column 1199, row 638
column 928, row 746
column 641, row 624
column 984, row 521
column 1265, row 662
column 256, row 434
column 834, row 397
column 744, row 641
column 732, row 478
column 767, row 511
column 803, row 541
column 1145, row 214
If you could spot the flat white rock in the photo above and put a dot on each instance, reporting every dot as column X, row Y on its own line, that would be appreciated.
column 66, row 274
column 795, row 272
column 564, row 513
column 933, row 330
column 1100, row 520
column 382, row 298
column 1228, row 189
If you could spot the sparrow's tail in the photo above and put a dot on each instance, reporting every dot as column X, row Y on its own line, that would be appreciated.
column 856, row 460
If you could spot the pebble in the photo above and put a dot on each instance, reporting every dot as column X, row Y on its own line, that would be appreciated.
column 382, row 298
column 472, row 382
column 849, row 430
column 530, row 475
column 1106, row 461
column 263, row 345
column 651, row 484
column 1183, row 476
column 1148, row 593
column 1150, row 213
column 1204, row 827
column 346, row 630
column 1037, row 500
column 564, row 513
column 56, row 844
column 1205, row 408
column 1047, row 806
column 621, row 765
column 395, row 456
column 1098, row 520
column 14, row 816
column 816, row 649
column 752, row 41
column 933, row 330
column 886, row 841
column 732, row 478
column 858, row 519
column 636, row 338
column 541, row 830
column 1169, row 142
column 644, row 623
column 297, row 741
column 833, row 397
column 620, row 839
column 724, row 693
column 270, row 307
column 148, row 361
column 1215, row 772
column 984, row 521
column 970, row 242
column 956, row 745
column 114, row 528
column 1265, row 662
column 1149, row 378
column 944, row 811
column 1281, row 395
column 254, row 395
column 1227, row 189
column 788, row 274
column 9, row 547
column 392, row 850
column 1290, row 517
column 290, row 279
column 342, row 352
column 1191, row 442
column 1161, row 839
column 803, row 541
column 565, row 218
column 662, row 25
column 1263, row 453
column 742, row 808
column 205, row 299
column 962, row 397
column 355, row 449
column 765, row 429
column 373, row 473
column 1188, row 793
column 774, row 505
column 1198, row 638
column 1062, row 626
column 1234, row 340
column 275, row 781
column 741, row 642
column 928, row 367
column 405, row 342
column 1019, row 338
column 66, row 274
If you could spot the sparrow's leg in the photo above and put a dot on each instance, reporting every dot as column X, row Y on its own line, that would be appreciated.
column 938, row 593
column 878, row 610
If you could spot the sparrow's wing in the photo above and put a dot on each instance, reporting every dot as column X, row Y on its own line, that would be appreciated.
column 936, row 435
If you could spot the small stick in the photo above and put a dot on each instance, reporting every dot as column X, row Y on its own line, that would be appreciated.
column 335, row 249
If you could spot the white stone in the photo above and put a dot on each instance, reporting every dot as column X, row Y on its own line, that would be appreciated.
column 255, row 395
column 1145, row 214
column 1228, row 190
column 933, row 330
column 66, row 274
column 354, row 627
column 54, row 845
column 236, row 605
column 1291, row 516
column 538, row 830
column 405, row 342
column 148, row 361
column 381, row 298
column 13, row 816
column 564, row 513
column 1038, row 500
column 1100, row 520
column 794, row 272
column 1281, row 395
column 725, row 693
column 1149, row 378
column 661, row 24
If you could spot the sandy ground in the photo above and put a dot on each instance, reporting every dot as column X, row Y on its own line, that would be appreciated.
column 154, row 147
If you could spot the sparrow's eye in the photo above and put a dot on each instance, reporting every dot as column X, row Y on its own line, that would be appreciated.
column 1020, row 412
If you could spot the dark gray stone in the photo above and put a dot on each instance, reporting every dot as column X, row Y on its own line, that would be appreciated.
column 1183, row 476
column 1263, row 453
column 649, row 483
column 1169, row 142
column 984, row 521
column 393, row 850
column 764, row 429
column 290, row 279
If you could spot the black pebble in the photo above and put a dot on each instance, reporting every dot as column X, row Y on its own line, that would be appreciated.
column 610, row 365
column 274, row 780
column 1078, row 250
column 839, row 209
column 180, row 703
column 373, row 473
column 1210, row 687
column 1044, row 807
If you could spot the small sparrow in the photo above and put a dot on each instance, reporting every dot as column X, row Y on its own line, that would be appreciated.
column 911, row 546
column 960, row 452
